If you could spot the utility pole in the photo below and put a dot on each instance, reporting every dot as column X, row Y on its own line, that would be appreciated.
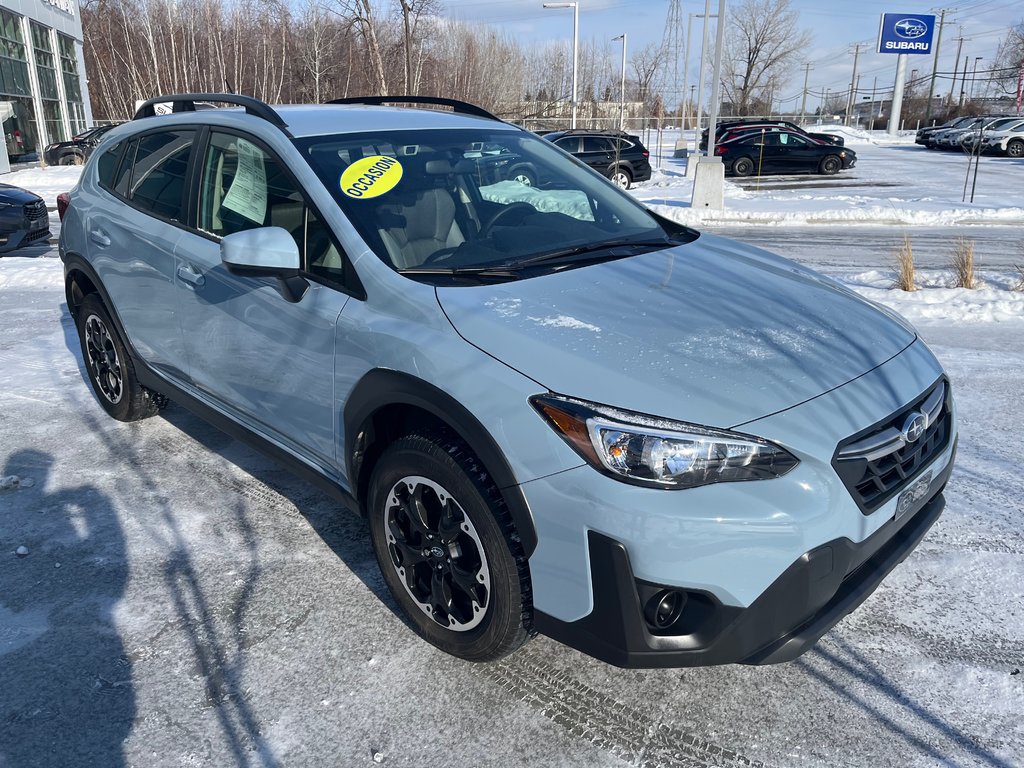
column 956, row 66
column 853, row 81
column 963, row 82
column 803, row 101
column 935, row 69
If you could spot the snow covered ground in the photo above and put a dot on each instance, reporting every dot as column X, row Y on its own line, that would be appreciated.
column 184, row 601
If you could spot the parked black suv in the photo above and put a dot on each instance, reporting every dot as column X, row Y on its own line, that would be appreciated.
column 751, row 124
column 618, row 155
column 76, row 151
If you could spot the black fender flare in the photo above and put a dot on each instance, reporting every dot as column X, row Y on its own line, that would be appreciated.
column 380, row 388
column 76, row 263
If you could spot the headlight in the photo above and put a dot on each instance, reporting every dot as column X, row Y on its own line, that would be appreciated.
column 659, row 453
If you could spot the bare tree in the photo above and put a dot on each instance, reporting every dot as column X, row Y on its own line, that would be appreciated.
column 762, row 39
column 360, row 13
column 412, row 12
column 645, row 63
column 1009, row 60
column 320, row 35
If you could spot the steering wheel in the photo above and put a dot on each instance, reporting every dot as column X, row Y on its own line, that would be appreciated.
column 508, row 210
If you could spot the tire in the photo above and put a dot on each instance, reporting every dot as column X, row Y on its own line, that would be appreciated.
column 524, row 176
column 830, row 165
column 743, row 166
column 72, row 160
column 622, row 177
column 1015, row 148
column 486, row 612
column 110, row 368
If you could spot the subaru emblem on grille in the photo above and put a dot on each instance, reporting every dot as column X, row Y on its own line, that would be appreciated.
column 914, row 427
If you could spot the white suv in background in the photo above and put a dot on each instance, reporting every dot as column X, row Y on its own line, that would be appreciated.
column 1009, row 140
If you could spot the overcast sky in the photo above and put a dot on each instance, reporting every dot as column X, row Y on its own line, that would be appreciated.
column 837, row 25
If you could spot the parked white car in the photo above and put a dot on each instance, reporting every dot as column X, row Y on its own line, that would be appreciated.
column 1009, row 140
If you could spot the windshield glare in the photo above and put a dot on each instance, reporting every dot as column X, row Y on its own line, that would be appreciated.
column 453, row 199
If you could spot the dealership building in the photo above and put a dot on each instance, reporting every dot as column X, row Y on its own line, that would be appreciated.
column 43, row 93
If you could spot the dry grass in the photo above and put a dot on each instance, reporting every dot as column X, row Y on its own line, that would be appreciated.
column 1020, row 283
column 962, row 262
column 905, row 266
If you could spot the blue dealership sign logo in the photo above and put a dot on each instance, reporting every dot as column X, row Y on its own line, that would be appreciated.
column 903, row 33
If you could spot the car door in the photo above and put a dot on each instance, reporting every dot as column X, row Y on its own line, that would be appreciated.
column 266, row 360
column 801, row 154
column 597, row 152
column 131, row 238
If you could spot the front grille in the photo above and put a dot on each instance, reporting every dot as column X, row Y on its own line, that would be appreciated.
column 35, row 211
column 876, row 464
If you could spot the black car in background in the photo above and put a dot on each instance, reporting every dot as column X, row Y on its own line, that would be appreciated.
column 734, row 127
column 782, row 152
column 23, row 218
column 618, row 155
column 76, row 151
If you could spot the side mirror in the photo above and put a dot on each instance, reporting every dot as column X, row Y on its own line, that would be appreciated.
column 266, row 252
column 262, row 252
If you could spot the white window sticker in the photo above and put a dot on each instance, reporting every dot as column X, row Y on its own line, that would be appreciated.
column 248, row 193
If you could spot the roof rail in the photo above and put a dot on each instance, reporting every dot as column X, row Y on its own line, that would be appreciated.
column 186, row 102
column 459, row 107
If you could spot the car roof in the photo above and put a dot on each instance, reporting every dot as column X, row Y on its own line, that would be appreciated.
column 325, row 119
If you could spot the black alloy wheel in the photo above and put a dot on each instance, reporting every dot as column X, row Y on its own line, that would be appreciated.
column 447, row 548
column 110, row 368
column 743, row 166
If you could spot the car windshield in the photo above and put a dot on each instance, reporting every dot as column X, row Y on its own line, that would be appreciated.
column 458, row 200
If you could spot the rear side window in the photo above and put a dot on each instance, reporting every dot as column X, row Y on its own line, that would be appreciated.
column 107, row 165
column 597, row 144
column 158, row 173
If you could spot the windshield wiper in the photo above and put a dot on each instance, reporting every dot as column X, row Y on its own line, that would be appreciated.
column 569, row 254
column 472, row 273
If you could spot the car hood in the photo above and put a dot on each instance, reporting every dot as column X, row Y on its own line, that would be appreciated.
column 16, row 195
column 712, row 332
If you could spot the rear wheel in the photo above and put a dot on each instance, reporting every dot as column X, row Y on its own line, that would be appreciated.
column 743, row 166
column 111, row 371
column 524, row 176
column 830, row 165
column 72, row 159
column 622, row 178
column 447, row 548
column 1015, row 148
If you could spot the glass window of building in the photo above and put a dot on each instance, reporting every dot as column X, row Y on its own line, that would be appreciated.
column 16, row 110
column 46, row 73
column 72, row 84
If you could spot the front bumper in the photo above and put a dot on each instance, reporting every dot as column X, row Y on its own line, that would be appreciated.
column 813, row 594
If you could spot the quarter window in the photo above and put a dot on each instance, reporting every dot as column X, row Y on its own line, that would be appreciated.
column 107, row 165
column 159, row 171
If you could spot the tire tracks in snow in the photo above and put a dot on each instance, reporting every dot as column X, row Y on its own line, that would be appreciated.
column 622, row 730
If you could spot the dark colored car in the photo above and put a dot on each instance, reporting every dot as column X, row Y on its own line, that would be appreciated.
column 735, row 127
column 76, row 151
column 782, row 152
column 618, row 155
column 496, row 163
column 23, row 218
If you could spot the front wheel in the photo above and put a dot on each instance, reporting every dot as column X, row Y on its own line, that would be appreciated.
column 622, row 178
column 830, row 166
column 1015, row 148
column 111, row 371
column 524, row 176
column 447, row 548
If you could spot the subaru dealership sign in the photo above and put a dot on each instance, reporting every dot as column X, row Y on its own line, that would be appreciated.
column 906, row 33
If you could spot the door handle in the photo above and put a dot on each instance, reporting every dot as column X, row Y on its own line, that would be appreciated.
column 187, row 273
column 97, row 236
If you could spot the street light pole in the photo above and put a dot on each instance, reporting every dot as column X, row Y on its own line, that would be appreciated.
column 575, row 48
column 974, row 76
column 700, row 77
column 622, row 84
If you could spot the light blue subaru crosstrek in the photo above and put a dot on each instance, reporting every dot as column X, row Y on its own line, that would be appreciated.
column 559, row 412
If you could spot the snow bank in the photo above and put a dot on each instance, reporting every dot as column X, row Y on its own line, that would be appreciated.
column 849, row 135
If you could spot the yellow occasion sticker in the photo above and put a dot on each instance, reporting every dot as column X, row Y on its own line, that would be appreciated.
column 371, row 177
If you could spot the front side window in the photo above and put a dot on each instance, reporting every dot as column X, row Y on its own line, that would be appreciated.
column 244, row 187
column 456, row 199
column 159, row 171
